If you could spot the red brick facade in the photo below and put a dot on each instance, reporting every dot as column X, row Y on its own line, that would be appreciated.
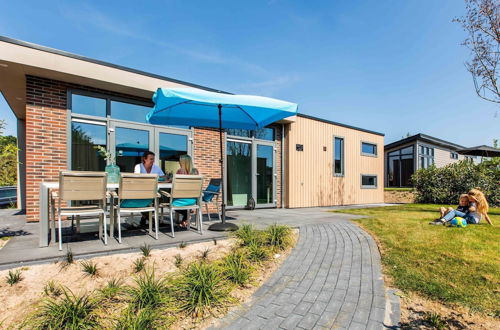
column 46, row 139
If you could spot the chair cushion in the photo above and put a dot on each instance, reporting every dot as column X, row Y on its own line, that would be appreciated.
column 184, row 201
column 207, row 195
column 131, row 203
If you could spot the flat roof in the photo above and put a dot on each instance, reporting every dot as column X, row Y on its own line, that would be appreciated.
column 425, row 138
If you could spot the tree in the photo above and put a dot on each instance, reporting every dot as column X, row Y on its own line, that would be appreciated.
column 482, row 24
column 8, row 158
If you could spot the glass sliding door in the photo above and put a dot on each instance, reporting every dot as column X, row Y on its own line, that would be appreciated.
column 171, row 146
column 239, row 172
column 264, row 174
column 130, row 143
column 85, row 136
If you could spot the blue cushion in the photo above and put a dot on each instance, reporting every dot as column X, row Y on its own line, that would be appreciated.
column 136, row 203
column 207, row 195
column 184, row 201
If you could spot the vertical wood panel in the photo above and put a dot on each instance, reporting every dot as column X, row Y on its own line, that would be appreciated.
column 310, row 172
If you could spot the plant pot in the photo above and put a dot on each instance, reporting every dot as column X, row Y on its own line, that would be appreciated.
column 113, row 173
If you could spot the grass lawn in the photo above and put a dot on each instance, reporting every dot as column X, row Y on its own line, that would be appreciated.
column 454, row 265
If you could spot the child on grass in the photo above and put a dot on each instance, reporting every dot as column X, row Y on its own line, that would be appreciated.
column 477, row 207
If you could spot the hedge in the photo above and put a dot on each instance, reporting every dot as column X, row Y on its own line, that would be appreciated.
column 444, row 185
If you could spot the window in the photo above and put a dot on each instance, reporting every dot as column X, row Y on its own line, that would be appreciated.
column 129, row 111
column 86, row 105
column 453, row 155
column 338, row 156
column 368, row 149
column 426, row 156
column 400, row 167
column 172, row 146
column 368, row 181
column 266, row 133
column 84, row 138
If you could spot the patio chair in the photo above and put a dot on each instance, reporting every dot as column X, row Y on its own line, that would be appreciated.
column 212, row 190
column 185, row 195
column 137, row 193
column 81, row 186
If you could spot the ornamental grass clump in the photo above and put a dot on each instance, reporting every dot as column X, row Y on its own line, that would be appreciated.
column 278, row 236
column 90, row 268
column 14, row 277
column 52, row 289
column 135, row 320
column 236, row 269
column 201, row 288
column 146, row 250
column 148, row 291
column 248, row 235
column 139, row 264
column 69, row 312
column 112, row 289
column 256, row 253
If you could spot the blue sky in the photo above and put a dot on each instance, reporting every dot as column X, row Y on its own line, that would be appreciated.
column 390, row 66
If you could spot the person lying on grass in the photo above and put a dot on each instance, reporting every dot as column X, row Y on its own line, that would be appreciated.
column 478, row 207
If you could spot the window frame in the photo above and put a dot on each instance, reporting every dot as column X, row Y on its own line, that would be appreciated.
column 375, row 155
column 368, row 187
column 342, row 157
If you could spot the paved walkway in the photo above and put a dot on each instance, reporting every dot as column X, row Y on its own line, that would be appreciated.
column 332, row 279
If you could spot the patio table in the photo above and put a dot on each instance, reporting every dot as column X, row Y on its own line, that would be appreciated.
column 44, row 206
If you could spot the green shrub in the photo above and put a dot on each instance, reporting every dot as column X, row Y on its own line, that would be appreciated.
column 248, row 235
column 148, row 291
column 182, row 245
column 14, row 277
column 278, row 236
column 201, row 288
column 444, row 185
column 69, row 312
column 236, row 269
column 69, row 257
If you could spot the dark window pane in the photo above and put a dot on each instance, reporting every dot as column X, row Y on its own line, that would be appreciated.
column 368, row 148
column 265, row 175
column 87, row 105
column 368, row 181
column 394, row 153
column 84, row 138
column 339, row 156
column 239, row 173
column 239, row 132
column 129, row 111
column 266, row 133
column 172, row 146
column 407, row 150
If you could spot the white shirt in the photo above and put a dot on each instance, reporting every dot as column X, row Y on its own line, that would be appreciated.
column 139, row 168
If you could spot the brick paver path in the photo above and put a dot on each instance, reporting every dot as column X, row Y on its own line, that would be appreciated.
column 332, row 279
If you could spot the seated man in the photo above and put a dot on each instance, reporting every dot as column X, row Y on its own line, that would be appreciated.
column 148, row 166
